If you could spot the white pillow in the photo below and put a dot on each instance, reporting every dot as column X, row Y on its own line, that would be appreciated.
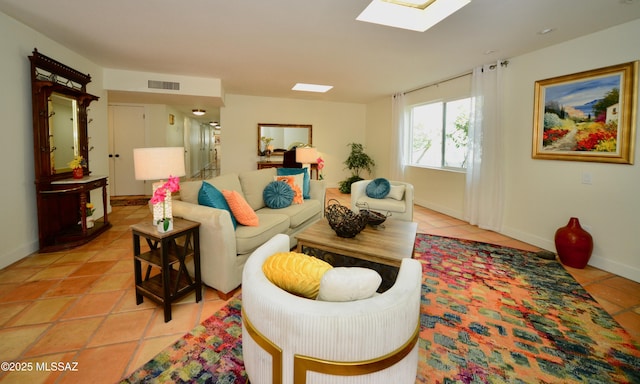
column 348, row 284
column 396, row 192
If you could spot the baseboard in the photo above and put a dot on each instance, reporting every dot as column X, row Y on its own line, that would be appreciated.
column 438, row 208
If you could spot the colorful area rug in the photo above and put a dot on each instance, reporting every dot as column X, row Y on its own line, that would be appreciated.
column 490, row 314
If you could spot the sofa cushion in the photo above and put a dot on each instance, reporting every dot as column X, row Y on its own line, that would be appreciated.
column 306, row 180
column 296, row 273
column 278, row 195
column 378, row 188
column 382, row 204
column 212, row 197
column 189, row 189
column 298, row 213
column 348, row 284
column 396, row 192
column 250, row 238
column 295, row 182
column 243, row 213
column 253, row 183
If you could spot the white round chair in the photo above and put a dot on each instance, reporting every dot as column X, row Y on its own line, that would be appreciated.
column 289, row 339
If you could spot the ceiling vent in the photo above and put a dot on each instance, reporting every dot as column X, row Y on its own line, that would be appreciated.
column 157, row 84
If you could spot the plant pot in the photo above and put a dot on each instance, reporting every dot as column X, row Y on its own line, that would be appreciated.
column 77, row 173
column 573, row 244
column 90, row 221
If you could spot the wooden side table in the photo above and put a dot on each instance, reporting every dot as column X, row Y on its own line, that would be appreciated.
column 173, row 281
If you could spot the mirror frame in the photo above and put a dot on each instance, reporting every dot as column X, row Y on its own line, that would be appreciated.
column 49, row 76
column 284, row 126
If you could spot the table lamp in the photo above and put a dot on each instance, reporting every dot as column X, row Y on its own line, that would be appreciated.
column 306, row 156
column 160, row 163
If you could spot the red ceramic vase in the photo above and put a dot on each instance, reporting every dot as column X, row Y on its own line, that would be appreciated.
column 573, row 244
column 78, row 173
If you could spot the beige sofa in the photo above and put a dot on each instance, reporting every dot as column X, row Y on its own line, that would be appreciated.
column 223, row 250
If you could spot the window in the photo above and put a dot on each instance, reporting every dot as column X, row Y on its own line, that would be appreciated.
column 439, row 134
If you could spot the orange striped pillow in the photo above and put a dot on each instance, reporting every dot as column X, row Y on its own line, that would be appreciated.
column 241, row 210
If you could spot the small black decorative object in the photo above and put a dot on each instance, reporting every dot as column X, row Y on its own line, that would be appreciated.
column 343, row 220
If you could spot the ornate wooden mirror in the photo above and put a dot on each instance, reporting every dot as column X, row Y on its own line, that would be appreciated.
column 60, row 104
column 60, row 101
column 284, row 137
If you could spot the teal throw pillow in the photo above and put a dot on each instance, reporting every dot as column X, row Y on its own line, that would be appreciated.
column 277, row 194
column 306, row 183
column 212, row 197
column 378, row 188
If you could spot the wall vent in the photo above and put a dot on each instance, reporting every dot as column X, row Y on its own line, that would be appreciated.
column 157, row 84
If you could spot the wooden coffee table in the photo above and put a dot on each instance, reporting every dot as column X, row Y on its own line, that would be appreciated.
column 381, row 248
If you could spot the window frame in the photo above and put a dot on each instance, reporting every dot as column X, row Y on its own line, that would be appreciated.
column 409, row 129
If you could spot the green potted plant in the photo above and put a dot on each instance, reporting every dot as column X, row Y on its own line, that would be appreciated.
column 356, row 163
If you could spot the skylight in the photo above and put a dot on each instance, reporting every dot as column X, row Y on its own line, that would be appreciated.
column 414, row 15
column 311, row 87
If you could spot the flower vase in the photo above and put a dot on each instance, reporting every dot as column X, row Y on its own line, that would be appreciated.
column 90, row 221
column 77, row 173
column 573, row 244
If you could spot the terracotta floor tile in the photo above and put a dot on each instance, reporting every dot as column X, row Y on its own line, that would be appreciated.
column 113, row 254
column 623, row 299
column 43, row 311
column 94, row 304
column 113, row 282
column 630, row 320
column 588, row 274
column 38, row 260
column 76, row 257
column 93, row 268
column 122, row 266
column 128, row 302
column 27, row 291
column 18, row 275
column 73, row 286
column 16, row 340
column 121, row 327
column 65, row 336
column 113, row 359
column 184, row 318
column 54, row 272
column 9, row 310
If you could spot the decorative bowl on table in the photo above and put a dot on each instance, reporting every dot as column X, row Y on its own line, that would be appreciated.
column 374, row 217
column 343, row 220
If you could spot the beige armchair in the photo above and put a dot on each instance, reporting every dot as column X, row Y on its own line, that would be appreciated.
column 400, row 209
column 289, row 339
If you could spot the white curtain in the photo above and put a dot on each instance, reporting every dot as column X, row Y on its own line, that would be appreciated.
column 397, row 137
column 484, row 192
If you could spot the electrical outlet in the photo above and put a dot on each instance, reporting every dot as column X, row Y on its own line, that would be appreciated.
column 587, row 178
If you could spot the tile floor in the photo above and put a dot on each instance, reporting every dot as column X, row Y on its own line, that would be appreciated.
column 78, row 306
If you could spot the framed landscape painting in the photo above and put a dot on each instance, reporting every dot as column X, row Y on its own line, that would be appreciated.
column 587, row 116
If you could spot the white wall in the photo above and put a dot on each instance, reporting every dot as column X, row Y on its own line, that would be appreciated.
column 19, row 225
column 542, row 195
column 335, row 125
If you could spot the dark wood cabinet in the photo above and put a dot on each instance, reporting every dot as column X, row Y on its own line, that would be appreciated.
column 59, row 103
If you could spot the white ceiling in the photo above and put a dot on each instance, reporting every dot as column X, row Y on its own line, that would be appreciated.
column 259, row 47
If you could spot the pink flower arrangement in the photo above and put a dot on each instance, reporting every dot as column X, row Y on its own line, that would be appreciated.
column 160, row 194
column 320, row 162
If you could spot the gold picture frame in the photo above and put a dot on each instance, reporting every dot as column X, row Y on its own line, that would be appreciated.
column 587, row 116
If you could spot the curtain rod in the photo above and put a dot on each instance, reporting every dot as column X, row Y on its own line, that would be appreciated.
column 503, row 63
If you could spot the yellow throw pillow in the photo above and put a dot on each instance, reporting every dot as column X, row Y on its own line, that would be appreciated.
column 241, row 210
column 296, row 273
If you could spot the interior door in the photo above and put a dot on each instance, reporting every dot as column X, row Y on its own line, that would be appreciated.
column 127, row 126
